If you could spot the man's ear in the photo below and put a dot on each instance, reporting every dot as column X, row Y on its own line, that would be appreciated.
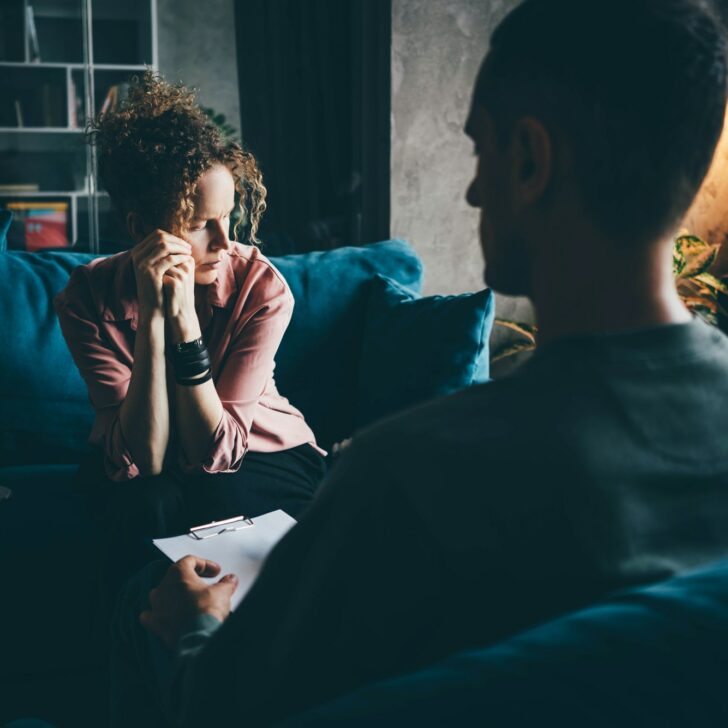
column 532, row 155
column 135, row 227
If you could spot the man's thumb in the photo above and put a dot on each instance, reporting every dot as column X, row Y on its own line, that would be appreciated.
column 229, row 582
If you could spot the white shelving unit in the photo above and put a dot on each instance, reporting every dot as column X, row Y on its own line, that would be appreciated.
column 46, row 100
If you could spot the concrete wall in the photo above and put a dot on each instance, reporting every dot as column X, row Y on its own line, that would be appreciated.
column 197, row 47
column 437, row 48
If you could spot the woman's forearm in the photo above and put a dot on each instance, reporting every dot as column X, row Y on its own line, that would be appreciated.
column 198, row 410
column 145, row 411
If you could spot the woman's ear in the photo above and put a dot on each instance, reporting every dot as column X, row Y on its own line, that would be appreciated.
column 135, row 227
column 533, row 160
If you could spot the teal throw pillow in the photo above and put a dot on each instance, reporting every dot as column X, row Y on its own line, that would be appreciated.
column 317, row 363
column 415, row 349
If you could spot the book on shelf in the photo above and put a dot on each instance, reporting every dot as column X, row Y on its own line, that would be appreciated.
column 114, row 97
column 38, row 225
column 76, row 111
column 72, row 106
column 33, row 46
column 14, row 189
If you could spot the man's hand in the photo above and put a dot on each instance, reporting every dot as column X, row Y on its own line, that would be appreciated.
column 152, row 258
column 183, row 595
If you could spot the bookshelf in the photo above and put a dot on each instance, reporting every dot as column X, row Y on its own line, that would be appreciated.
column 60, row 62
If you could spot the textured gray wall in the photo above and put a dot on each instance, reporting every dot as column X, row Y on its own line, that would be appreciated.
column 197, row 47
column 437, row 48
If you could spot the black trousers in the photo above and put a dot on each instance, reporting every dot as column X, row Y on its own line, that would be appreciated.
column 128, row 515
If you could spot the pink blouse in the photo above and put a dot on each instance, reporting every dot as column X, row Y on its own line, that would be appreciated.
column 243, row 316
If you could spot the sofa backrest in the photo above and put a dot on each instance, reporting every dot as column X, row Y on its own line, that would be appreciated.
column 45, row 415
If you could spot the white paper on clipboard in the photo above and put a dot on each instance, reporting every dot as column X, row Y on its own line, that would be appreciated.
column 239, row 552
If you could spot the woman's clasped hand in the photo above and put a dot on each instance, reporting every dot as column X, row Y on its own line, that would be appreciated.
column 165, row 275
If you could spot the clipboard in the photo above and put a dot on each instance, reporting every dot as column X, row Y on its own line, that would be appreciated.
column 240, row 545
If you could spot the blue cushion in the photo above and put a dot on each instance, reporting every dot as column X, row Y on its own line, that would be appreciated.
column 649, row 656
column 6, row 217
column 416, row 348
column 318, row 361
column 46, row 416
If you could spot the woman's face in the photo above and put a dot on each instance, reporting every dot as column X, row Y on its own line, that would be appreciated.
column 208, row 230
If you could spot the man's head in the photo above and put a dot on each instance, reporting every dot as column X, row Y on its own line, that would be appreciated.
column 614, row 105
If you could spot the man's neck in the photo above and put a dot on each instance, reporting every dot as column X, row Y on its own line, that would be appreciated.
column 595, row 289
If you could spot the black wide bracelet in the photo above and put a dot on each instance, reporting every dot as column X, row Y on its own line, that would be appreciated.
column 188, row 353
column 192, row 382
column 192, row 368
column 190, row 359
column 188, row 346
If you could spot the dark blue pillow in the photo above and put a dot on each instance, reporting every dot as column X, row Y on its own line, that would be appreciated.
column 416, row 348
column 6, row 217
column 318, row 360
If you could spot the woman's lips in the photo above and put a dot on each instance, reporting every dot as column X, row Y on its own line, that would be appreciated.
column 214, row 264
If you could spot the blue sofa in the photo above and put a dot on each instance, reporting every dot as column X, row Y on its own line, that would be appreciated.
column 649, row 656
column 353, row 305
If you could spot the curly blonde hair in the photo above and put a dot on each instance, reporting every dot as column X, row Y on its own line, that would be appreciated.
column 154, row 148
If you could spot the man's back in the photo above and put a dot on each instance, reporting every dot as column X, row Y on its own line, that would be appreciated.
column 598, row 428
column 601, row 464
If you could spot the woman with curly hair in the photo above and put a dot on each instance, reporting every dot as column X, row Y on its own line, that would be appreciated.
column 176, row 338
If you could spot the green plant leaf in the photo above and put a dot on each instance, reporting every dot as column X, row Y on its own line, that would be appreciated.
column 511, row 350
column 712, row 282
column 698, row 261
column 528, row 331
column 688, row 240
column 678, row 258
column 700, row 303
column 220, row 121
column 706, row 314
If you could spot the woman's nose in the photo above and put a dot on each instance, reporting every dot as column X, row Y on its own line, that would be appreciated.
column 220, row 238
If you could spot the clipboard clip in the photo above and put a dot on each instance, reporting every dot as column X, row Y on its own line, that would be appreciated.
column 229, row 524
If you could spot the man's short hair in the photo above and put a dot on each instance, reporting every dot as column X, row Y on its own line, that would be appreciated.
column 636, row 88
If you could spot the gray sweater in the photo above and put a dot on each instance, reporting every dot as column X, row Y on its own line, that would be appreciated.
column 601, row 463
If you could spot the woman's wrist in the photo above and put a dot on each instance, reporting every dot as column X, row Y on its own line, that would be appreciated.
column 151, row 327
column 184, row 328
